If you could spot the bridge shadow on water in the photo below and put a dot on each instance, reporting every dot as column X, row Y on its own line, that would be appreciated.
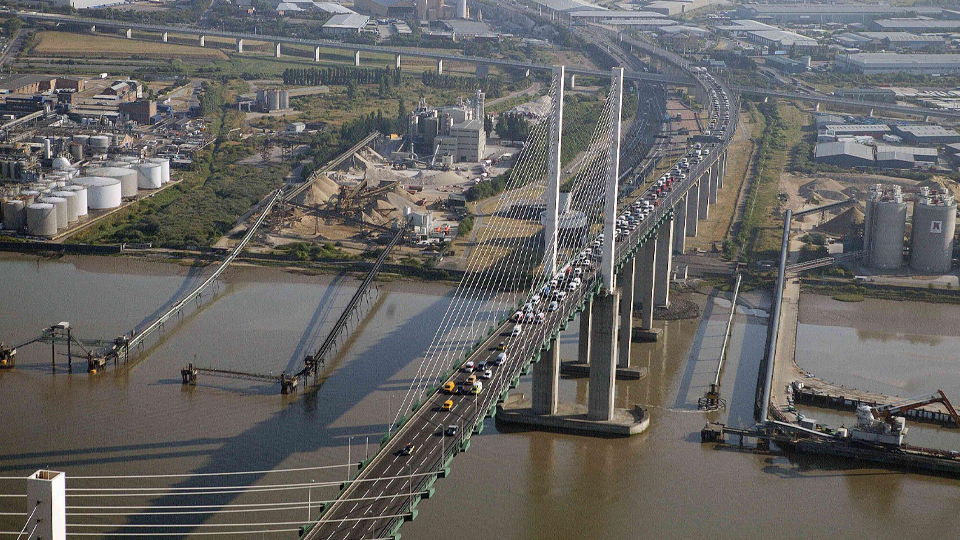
column 311, row 334
column 693, row 380
column 191, row 281
column 307, row 425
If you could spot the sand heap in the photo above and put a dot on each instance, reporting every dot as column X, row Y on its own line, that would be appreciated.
column 840, row 225
column 822, row 189
column 446, row 178
column 388, row 206
column 322, row 192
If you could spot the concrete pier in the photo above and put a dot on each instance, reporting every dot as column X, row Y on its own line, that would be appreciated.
column 714, row 181
column 439, row 66
column 604, row 357
column 396, row 62
column 316, row 54
column 703, row 197
column 202, row 40
column 693, row 210
column 546, row 380
column 164, row 37
column 647, row 261
column 239, row 45
column 276, row 47
column 661, row 288
column 627, row 286
column 356, row 58
column 680, row 227
column 584, row 336
column 571, row 418
column 128, row 33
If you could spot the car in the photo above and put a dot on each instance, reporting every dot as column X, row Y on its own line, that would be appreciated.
column 528, row 307
column 541, row 317
column 518, row 316
column 452, row 431
column 408, row 449
column 502, row 346
column 553, row 306
column 535, row 299
column 501, row 358
column 561, row 295
column 572, row 286
column 449, row 387
column 578, row 272
column 476, row 388
column 481, row 366
column 528, row 318
column 487, row 374
column 516, row 330
column 468, row 367
column 447, row 405
column 471, row 379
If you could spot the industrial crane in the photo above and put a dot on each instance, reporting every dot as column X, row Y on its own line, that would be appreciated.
column 883, row 423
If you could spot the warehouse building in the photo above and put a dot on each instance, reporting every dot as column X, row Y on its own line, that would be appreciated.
column 905, row 157
column 827, row 13
column 919, row 64
column 854, row 130
column 916, row 25
column 927, row 134
column 400, row 9
column 788, row 65
column 844, row 154
column 345, row 23
column 900, row 41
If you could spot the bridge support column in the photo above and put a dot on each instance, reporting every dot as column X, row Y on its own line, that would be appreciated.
column 128, row 33
column 714, row 173
column 648, row 272
column 552, row 193
column 396, row 62
column 93, row 29
column 693, row 209
column 603, row 365
column 627, row 286
column 239, row 45
column 573, row 80
column 704, row 196
column 276, row 52
column 586, row 321
column 526, row 73
column 164, row 37
column 661, row 288
column 439, row 66
column 611, row 187
column 356, row 58
column 316, row 54
column 680, row 232
column 816, row 107
column 46, row 505
column 202, row 40
column 546, row 380
column 723, row 169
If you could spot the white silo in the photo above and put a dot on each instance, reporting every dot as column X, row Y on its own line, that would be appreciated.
column 41, row 219
column 164, row 164
column 284, row 99
column 29, row 196
column 149, row 176
column 126, row 176
column 273, row 99
column 71, row 199
column 60, row 205
column 934, row 226
column 81, row 139
column 102, row 192
column 884, row 224
column 81, row 192
column 14, row 214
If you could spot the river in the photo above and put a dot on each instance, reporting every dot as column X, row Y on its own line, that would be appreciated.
column 139, row 419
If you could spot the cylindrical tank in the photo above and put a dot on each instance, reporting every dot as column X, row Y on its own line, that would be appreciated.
column 81, row 139
column 76, row 150
column 41, row 219
column 71, row 199
column 149, row 176
column 60, row 204
column 273, row 100
column 29, row 196
column 47, row 149
column 81, row 192
column 102, row 192
column 884, row 224
column 99, row 143
column 164, row 168
column 284, row 99
column 14, row 214
column 934, row 225
column 127, row 177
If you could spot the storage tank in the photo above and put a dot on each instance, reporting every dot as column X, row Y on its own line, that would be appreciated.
column 934, row 226
column 60, row 205
column 76, row 150
column 81, row 193
column 273, row 100
column 164, row 168
column 149, row 176
column 81, row 139
column 14, row 214
column 284, row 99
column 71, row 199
column 41, row 219
column 102, row 192
column 884, row 223
column 127, row 177
column 61, row 163
column 99, row 143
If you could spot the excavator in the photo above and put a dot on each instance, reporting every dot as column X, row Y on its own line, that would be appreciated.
column 883, row 423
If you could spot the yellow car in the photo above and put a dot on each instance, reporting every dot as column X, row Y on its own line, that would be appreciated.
column 449, row 387
column 447, row 405
column 471, row 379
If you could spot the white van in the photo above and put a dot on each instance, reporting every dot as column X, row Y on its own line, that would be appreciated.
column 516, row 330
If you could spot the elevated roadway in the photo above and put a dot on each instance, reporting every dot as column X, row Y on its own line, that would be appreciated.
column 833, row 100
column 90, row 22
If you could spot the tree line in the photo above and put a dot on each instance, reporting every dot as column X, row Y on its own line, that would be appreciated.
column 491, row 86
column 340, row 75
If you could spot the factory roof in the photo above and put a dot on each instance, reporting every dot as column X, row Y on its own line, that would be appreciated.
column 844, row 148
column 743, row 25
column 16, row 82
column 288, row 6
column 469, row 125
column 904, row 60
column 912, row 150
column 784, row 37
column 818, row 9
column 928, row 25
column 896, row 37
column 333, row 7
column 857, row 128
column 927, row 131
column 463, row 27
column 619, row 14
column 569, row 5
column 350, row 21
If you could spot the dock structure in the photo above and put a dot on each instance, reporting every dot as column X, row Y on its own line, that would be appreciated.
column 819, row 393
column 191, row 374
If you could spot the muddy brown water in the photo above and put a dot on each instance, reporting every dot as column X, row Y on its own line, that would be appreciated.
column 513, row 485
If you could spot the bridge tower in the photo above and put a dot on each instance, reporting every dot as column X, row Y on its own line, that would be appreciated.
column 552, row 193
